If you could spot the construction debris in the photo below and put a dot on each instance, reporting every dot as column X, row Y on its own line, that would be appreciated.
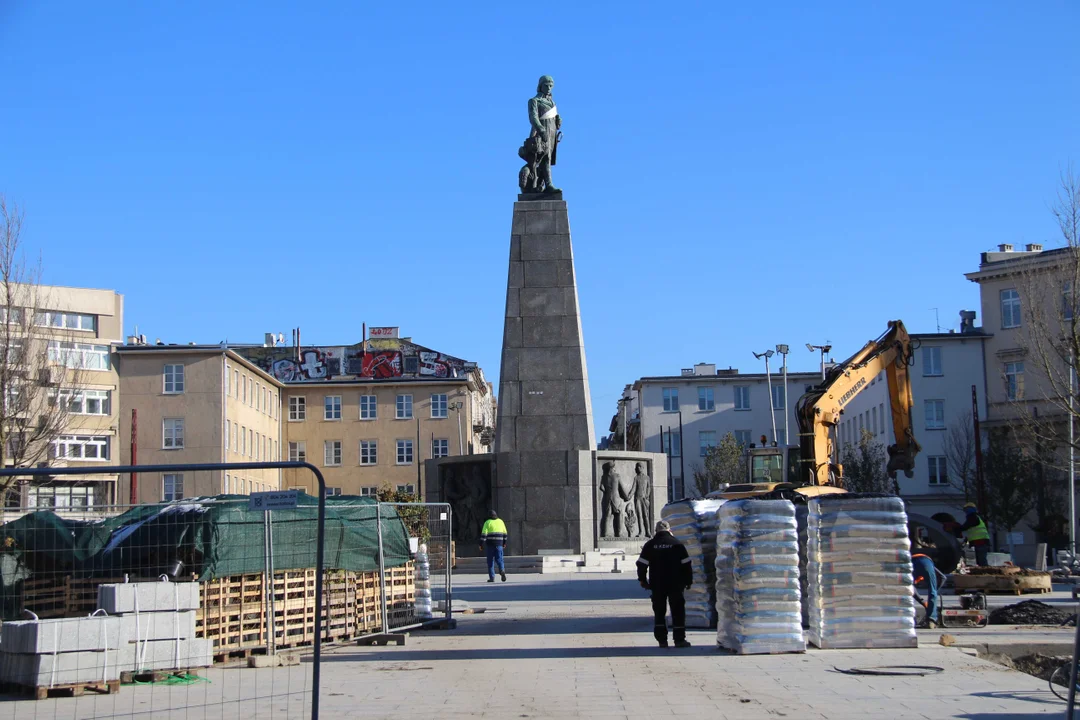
column 1029, row 612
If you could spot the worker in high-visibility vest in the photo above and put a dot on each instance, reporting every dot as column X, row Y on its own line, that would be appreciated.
column 493, row 541
column 976, row 533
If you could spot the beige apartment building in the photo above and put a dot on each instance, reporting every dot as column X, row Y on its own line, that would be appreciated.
column 68, row 334
column 197, row 404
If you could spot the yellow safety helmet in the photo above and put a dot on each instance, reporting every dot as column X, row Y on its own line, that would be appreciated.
column 971, row 505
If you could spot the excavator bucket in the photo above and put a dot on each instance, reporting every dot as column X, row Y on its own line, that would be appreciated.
column 901, row 459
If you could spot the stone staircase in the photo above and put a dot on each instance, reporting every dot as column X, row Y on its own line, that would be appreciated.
column 589, row 562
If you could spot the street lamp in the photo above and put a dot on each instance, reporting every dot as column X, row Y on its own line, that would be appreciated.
column 461, row 439
column 783, row 350
column 768, row 379
column 824, row 349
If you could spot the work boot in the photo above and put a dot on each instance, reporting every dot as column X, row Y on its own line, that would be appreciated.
column 663, row 643
column 491, row 579
column 682, row 644
column 503, row 573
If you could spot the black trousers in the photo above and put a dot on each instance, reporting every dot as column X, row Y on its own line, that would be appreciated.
column 661, row 599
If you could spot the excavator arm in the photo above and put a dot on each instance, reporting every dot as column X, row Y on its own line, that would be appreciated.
column 819, row 410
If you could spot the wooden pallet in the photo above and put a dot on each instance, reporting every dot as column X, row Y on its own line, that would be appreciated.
column 1003, row 584
column 72, row 690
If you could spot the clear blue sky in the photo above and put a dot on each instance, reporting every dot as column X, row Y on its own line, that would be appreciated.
column 738, row 175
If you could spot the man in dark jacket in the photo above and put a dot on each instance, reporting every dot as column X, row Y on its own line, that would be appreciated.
column 666, row 564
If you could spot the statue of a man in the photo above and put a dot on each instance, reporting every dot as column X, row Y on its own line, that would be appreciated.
column 611, row 505
column 642, row 501
column 541, row 148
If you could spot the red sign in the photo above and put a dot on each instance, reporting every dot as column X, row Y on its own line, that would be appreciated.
column 382, row 332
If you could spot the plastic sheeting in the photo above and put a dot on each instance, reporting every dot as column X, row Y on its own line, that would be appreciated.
column 758, row 596
column 859, row 572
column 693, row 523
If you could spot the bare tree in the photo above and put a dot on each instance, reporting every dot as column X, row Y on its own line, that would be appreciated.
column 725, row 464
column 39, row 373
column 864, row 466
column 960, row 456
column 1010, row 483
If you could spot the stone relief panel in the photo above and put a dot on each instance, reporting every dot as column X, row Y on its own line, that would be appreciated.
column 624, row 498
column 466, row 486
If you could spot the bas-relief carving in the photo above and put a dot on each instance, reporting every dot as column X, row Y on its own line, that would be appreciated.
column 466, row 486
column 625, row 499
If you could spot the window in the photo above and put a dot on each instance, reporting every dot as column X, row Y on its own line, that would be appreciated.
column 276, row 455
column 440, row 447
column 938, row 474
column 671, row 399
column 86, row 402
column 1014, row 380
column 873, row 420
column 228, row 432
column 174, row 379
column 411, row 365
column 82, row 356
column 67, row 321
column 368, row 407
column 80, row 447
column 706, row 440
column 243, row 440
column 935, row 414
column 243, row 387
column 298, row 451
column 297, row 408
column 672, row 443
column 778, row 397
column 1010, row 309
column 258, row 446
column 409, row 489
column 742, row 397
column 742, row 437
column 227, row 489
column 332, row 407
column 881, row 414
column 369, row 452
column 234, row 430
column 236, row 383
column 332, row 452
column 172, row 486
column 931, row 362
column 705, row 399
column 251, row 443
column 404, row 452
column 438, row 406
column 172, row 435
column 404, row 407
column 369, row 491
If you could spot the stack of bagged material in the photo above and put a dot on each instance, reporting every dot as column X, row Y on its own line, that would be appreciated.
column 802, row 518
column 423, row 584
column 60, row 652
column 758, row 600
column 157, row 625
column 693, row 523
column 860, row 578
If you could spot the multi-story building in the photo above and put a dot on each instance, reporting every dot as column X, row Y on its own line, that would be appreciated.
column 683, row 415
column 366, row 415
column 77, row 380
column 947, row 366
column 196, row 404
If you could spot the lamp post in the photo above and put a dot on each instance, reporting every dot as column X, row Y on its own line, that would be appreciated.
column 824, row 349
column 783, row 350
column 768, row 379
column 624, row 401
column 461, row 439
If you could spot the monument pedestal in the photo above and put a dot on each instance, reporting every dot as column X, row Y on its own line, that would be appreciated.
column 546, row 467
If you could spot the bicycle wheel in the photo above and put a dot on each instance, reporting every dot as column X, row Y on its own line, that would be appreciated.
column 1059, row 684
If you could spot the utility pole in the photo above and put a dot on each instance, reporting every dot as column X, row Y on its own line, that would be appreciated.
column 783, row 350
column 1072, row 461
column 461, row 438
column 133, row 490
column 768, row 380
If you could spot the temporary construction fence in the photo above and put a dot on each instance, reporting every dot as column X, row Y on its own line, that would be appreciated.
column 199, row 582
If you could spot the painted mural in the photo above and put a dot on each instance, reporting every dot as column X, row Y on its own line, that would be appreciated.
column 384, row 358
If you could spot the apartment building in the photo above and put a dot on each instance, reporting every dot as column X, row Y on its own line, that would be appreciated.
column 196, row 404
column 73, row 373
column 947, row 366
column 683, row 415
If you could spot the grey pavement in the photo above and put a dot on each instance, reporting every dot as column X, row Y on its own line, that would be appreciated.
column 579, row 646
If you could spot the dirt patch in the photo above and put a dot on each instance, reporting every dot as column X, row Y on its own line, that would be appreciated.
column 1029, row 612
column 1005, row 570
column 1041, row 666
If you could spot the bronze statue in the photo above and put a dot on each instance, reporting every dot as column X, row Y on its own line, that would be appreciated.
column 642, row 501
column 541, row 147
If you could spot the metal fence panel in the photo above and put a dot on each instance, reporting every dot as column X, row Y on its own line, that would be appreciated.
column 420, row 592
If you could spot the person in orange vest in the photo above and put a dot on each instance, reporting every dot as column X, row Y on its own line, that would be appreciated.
column 923, row 569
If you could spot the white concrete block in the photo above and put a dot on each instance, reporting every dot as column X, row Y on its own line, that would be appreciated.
column 152, row 596
column 62, row 635
column 158, row 625
column 60, row 669
column 167, row 655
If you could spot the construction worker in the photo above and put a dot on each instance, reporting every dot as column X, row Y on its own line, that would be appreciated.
column 976, row 534
column 923, row 569
column 667, row 564
column 492, row 541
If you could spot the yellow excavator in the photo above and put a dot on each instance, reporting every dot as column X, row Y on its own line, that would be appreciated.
column 818, row 413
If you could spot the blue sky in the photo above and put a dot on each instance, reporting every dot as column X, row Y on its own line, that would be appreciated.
column 737, row 175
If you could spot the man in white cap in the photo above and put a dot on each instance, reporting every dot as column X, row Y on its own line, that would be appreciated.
column 666, row 564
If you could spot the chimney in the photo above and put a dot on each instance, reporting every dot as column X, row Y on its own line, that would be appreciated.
column 132, row 339
column 268, row 339
column 705, row 369
column 1033, row 247
column 967, row 321
column 1005, row 247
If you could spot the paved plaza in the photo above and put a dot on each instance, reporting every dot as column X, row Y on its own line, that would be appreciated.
column 564, row 646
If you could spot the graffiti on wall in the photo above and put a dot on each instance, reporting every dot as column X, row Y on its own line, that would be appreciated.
column 382, row 364
column 439, row 365
column 384, row 359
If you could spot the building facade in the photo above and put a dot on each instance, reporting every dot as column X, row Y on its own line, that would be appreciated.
column 65, row 337
column 946, row 367
column 683, row 415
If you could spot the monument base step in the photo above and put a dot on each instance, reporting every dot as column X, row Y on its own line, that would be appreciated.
column 603, row 561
